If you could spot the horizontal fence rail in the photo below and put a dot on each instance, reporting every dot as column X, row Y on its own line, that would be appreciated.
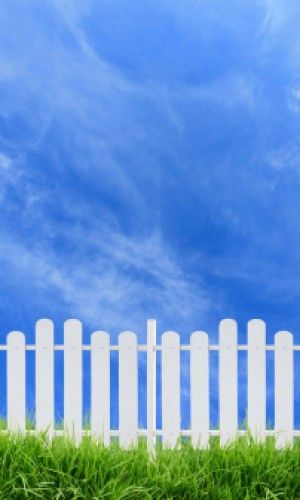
column 128, row 384
column 144, row 347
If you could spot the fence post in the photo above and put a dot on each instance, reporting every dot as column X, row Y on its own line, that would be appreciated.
column 100, row 386
column 16, row 381
column 228, row 381
column 284, row 389
column 199, row 395
column 151, row 385
column 73, row 378
column 44, row 376
column 170, row 385
column 257, row 379
column 128, row 390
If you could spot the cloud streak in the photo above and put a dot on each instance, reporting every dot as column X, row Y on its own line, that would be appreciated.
column 122, row 280
column 159, row 179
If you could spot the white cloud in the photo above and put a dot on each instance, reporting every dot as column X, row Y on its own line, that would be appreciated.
column 293, row 100
column 5, row 162
column 7, row 174
column 276, row 12
column 296, row 94
column 228, row 91
column 117, row 285
column 285, row 158
column 96, row 108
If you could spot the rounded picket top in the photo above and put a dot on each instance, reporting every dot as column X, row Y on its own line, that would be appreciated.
column 170, row 339
column 15, row 339
column 256, row 323
column 284, row 339
column 100, row 339
column 228, row 324
column 73, row 323
column 256, row 331
column 228, row 331
column 44, row 323
column 199, row 339
column 72, row 332
column 128, row 339
column 44, row 331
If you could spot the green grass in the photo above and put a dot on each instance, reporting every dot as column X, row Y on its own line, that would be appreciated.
column 32, row 468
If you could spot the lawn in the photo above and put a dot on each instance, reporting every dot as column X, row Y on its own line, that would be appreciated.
column 33, row 468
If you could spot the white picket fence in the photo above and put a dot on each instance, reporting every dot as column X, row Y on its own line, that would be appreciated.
column 170, row 348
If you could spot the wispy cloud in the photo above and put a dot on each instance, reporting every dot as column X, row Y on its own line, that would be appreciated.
column 146, row 168
column 5, row 162
column 286, row 158
column 124, row 280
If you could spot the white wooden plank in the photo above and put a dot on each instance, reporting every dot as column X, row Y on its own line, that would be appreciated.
column 199, row 401
column 44, row 376
column 257, row 379
column 16, row 417
column 170, row 389
column 151, row 385
column 100, row 386
column 73, row 378
column 228, row 396
column 284, row 389
column 128, row 389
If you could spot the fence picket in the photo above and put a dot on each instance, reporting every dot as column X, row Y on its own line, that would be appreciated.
column 284, row 389
column 16, row 381
column 100, row 386
column 228, row 397
column 199, row 397
column 128, row 389
column 170, row 348
column 44, row 376
column 151, row 384
column 170, row 389
column 257, row 379
column 73, row 378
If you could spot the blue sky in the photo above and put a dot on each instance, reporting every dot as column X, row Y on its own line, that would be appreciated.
column 149, row 164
